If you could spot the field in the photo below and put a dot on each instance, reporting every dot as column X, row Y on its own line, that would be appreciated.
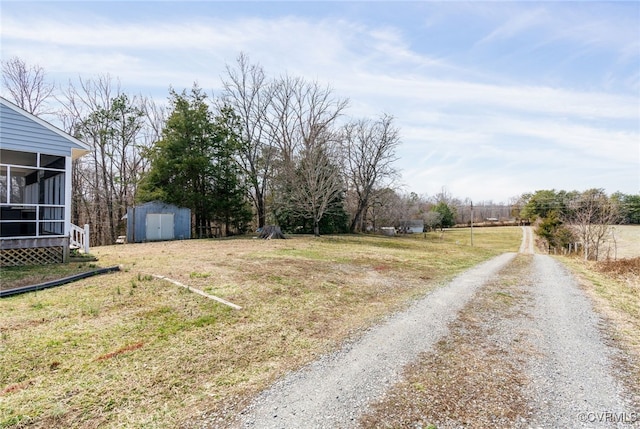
column 130, row 350
column 627, row 242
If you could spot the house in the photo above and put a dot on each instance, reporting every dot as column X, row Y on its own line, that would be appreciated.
column 35, row 190
column 158, row 221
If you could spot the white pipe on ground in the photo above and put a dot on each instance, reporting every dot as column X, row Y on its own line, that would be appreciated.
column 199, row 292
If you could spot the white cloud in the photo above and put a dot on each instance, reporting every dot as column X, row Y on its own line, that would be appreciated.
column 488, row 138
column 516, row 24
column 593, row 25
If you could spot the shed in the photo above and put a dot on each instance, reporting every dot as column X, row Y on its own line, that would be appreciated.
column 35, row 190
column 388, row 230
column 158, row 221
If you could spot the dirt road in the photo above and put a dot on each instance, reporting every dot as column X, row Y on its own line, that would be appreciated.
column 528, row 243
column 573, row 380
column 566, row 370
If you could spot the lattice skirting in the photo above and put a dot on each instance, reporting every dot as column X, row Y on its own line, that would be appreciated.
column 31, row 256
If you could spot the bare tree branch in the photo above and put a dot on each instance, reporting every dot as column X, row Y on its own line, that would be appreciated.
column 117, row 129
column 591, row 216
column 247, row 92
column 27, row 85
column 369, row 153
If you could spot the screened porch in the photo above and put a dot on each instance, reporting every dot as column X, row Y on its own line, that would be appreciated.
column 32, row 195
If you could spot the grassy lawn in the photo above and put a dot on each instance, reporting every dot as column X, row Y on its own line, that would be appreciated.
column 12, row 277
column 128, row 350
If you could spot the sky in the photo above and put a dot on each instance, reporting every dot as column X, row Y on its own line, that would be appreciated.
column 492, row 99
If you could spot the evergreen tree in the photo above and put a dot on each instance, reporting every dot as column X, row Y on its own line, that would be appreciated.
column 629, row 207
column 193, row 164
column 231, row 206
column 447, row 214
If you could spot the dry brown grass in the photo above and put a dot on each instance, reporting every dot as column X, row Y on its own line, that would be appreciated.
column 621, row 268
column 475, row 376
column 127, row 350
column 626, row 243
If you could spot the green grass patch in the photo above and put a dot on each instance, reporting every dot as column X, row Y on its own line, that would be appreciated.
column 195, row 275
column 12, row 277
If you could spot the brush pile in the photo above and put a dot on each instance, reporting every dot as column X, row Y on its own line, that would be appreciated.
column 271, row 231
column 625, row 269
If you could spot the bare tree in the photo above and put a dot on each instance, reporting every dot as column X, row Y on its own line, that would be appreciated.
column 432, row 220
column 247, row 92
column 302, row 127
column 591, row 216
column 300, row 112
column 318, row 184
column 155, row 118
column 27, row 85
column 369, row 153
column 386, row 208
column 107, row 119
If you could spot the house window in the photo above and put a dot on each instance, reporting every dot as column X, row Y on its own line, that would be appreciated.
column 32, row 194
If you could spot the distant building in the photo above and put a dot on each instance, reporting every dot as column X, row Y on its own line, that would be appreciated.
column 388, row 230
column 158, row 221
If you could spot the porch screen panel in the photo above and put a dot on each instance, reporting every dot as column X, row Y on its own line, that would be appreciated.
column 31, row 194
column 54, row 190
column 53, row 195
column 3, row 185
column 17, row 185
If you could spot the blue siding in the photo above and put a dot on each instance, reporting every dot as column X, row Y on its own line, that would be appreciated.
column 23, row 132
column 137, row 218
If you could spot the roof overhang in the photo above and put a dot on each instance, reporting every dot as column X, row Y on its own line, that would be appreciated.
column 77, row 153
column 78, row 147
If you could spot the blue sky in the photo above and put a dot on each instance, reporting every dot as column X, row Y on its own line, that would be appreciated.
column 493, row 99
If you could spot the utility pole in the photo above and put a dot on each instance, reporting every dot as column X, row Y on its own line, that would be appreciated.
column 471, row 223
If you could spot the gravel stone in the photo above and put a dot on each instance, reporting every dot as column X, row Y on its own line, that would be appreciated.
column 335, row 390
column 573, row 382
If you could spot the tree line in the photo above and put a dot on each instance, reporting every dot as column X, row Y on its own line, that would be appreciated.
column 265, row 150
column 579, row 222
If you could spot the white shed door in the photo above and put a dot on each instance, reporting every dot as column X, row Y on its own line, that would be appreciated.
column 160, row 226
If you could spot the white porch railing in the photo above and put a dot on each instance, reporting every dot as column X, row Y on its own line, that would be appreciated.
column 79, row 238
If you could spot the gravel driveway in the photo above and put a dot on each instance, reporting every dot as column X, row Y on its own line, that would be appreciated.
column 573, row 381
